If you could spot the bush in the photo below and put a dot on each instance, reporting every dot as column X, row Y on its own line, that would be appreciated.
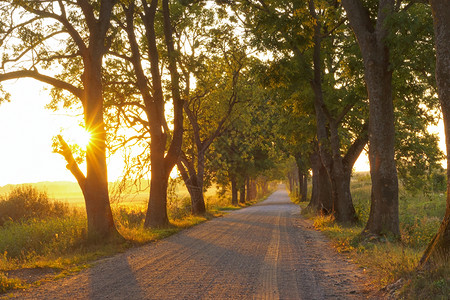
column 35, row 237
column 130, row 216
column 26, row 202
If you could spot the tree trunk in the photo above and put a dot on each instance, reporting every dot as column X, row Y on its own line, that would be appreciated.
column 321, row 199
column 303, row 187
column 343, row 205
column 156, row 216
column 198, row 201
column 95, row 189
column 234, row 191
column 383, row 217
column 162, row 163
column 242, row 193
column 325, row 192
column 254, row 190
column 248, row 188
column 304, row 191
column 302, row 177
column 438, row 251
column 314, row 201
column 290, row 180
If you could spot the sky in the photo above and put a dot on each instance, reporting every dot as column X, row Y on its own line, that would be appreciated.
column 26, row 132
column 27, row 128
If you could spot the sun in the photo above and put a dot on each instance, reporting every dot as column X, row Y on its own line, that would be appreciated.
column 80, row 136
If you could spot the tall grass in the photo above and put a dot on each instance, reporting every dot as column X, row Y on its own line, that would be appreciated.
column 387, row 260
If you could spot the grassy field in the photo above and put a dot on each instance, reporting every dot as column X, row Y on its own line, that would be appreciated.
column 52, row 243
column 387, row 261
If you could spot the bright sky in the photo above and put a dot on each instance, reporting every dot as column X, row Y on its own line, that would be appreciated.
column 26, row 131
column 27, row 128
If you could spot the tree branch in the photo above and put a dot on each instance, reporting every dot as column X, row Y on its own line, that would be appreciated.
column 78, row 92
column 72, row 165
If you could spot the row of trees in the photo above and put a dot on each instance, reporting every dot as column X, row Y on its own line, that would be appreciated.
column 350, row 74
column 331, row 78
column 175, row 75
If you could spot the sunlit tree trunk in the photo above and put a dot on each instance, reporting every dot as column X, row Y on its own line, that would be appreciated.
column 438, row 251
column 157, row 205
column 95, row 188
column 162, row 159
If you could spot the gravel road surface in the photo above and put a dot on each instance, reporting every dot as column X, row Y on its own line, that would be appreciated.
column 266, row 251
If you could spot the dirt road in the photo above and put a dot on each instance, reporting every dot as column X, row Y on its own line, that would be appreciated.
column 266, row 251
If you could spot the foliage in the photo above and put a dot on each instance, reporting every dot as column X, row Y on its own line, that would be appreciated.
column 42, row 237
column 26, row 202
column 8, row 283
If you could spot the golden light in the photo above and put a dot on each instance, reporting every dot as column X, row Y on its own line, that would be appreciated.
column 79, row 136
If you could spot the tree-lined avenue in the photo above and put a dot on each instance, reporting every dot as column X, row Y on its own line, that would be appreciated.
column 267, row 251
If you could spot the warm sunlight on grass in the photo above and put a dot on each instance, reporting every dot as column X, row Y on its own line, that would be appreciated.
column 385, row 260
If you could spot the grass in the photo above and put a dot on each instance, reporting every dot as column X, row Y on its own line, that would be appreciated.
column 386, row 260
column 58, row 242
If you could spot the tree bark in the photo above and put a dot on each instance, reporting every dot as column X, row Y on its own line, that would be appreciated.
column 383, row 217
column 438, row 251
column 234, row 191
column 321, row 200
column 302, row 177
column 343, row 205
column 254, row 189
column 162, row 162
column 156, row 216
column 304, row 189
column 242, row 193
column 248, row 188
column 290, row 181
column 99, row 216
column 314, row 201
column 194, row 183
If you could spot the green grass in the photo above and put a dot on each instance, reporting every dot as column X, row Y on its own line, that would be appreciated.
column 387, row 260
column 59, row 242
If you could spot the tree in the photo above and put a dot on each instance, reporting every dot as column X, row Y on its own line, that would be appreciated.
column 304, row 36
column 215, row 58
column 369, row 26
column 247, row 147
column 416, row 105
column 45, row 35
column 438, row 251
column 148, row 43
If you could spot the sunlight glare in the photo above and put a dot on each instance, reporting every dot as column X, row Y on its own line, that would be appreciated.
column 79, row 136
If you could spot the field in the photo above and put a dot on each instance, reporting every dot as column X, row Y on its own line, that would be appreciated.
column 388, row 261
column 51, row 242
